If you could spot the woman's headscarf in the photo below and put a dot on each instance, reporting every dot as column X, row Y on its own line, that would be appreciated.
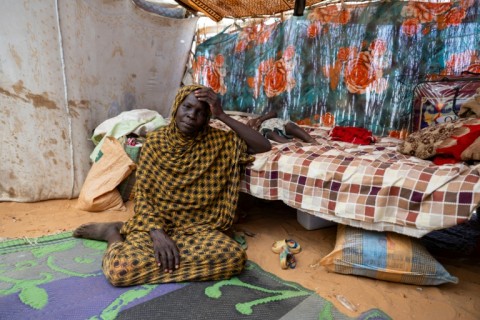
column 175, row 137
column 182, row 93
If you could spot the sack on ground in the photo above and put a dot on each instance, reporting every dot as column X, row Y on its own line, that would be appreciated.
column 99, row 191
column 126, row 187
column 385, row 256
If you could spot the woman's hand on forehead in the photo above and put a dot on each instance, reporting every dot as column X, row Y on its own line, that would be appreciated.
column 210, row 97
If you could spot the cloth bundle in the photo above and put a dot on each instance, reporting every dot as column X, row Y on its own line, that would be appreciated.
column 352, row 135
column 138, row 121
column 449, row 142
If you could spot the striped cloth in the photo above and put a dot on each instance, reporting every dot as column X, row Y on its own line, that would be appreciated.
column 385, row 256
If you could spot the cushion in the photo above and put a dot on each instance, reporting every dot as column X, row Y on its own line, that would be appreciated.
column 423, row 144
column 384, row 256
column 464, row 143
column 449, row 138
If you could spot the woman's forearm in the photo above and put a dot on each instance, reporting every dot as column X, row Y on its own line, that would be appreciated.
column 255, row 141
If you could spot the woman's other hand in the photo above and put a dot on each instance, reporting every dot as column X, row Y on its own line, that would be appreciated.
column 165, row 250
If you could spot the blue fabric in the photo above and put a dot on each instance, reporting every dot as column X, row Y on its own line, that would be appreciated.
column 349, row 66
column 375, row 250
column 384, row 256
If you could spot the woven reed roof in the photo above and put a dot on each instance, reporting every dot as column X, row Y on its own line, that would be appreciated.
column 219, row 9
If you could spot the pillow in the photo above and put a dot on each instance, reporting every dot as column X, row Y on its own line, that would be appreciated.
column 384, row 256
column 449, row 138
column 423, row 144
column 464, row 144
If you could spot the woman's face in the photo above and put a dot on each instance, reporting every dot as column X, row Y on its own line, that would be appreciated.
column 192, row 115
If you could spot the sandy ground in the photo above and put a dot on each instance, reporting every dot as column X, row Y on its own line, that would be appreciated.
column 273, row 221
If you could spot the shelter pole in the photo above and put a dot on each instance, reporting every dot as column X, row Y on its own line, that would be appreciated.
column 299, row 7
column 65, row 91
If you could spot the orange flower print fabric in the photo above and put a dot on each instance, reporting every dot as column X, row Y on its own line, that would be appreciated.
column 276, row 79
column 468, row 60
column 277, row 75
column 212, row 72
column 330, row 14
column 418, row 15
column 359, row 73
column 359, row 62
column 362, row 70
column 253, row 35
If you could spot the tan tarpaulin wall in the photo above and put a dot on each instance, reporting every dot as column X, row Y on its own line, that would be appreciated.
column 65, row 67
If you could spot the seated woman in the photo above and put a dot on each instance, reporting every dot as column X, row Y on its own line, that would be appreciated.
column 186, row 193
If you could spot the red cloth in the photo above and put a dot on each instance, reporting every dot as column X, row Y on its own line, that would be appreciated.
column 463, row 142
column 352, row 135
column 444, row 159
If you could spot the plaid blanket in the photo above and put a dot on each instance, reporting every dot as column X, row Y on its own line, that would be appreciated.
column 373, row 187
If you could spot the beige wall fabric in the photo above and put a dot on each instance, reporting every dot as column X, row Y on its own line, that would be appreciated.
column 67, row 66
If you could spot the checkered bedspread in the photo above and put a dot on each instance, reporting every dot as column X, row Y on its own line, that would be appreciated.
column 372, row 187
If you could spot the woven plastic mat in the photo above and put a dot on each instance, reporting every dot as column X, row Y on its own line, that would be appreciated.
column 59, row 277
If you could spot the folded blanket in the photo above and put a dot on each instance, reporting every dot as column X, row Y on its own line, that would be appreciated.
column 139, row 121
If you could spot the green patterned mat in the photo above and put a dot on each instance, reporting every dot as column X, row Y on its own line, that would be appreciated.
column 59, row 277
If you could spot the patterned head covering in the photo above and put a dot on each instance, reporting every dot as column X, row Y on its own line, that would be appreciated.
column 175, row 137
column 182, row 93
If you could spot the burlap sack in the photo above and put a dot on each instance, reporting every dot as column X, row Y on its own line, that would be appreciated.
column 99, row 191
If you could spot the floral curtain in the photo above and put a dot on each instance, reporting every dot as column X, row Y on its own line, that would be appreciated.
column 343, row 64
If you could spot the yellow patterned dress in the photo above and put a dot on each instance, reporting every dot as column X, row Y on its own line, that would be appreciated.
column 189, row 187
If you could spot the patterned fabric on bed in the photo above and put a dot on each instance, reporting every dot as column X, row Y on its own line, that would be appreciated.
column 369, row 186
column 456, row 139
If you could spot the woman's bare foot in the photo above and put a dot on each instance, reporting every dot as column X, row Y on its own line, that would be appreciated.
column 106, row 231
